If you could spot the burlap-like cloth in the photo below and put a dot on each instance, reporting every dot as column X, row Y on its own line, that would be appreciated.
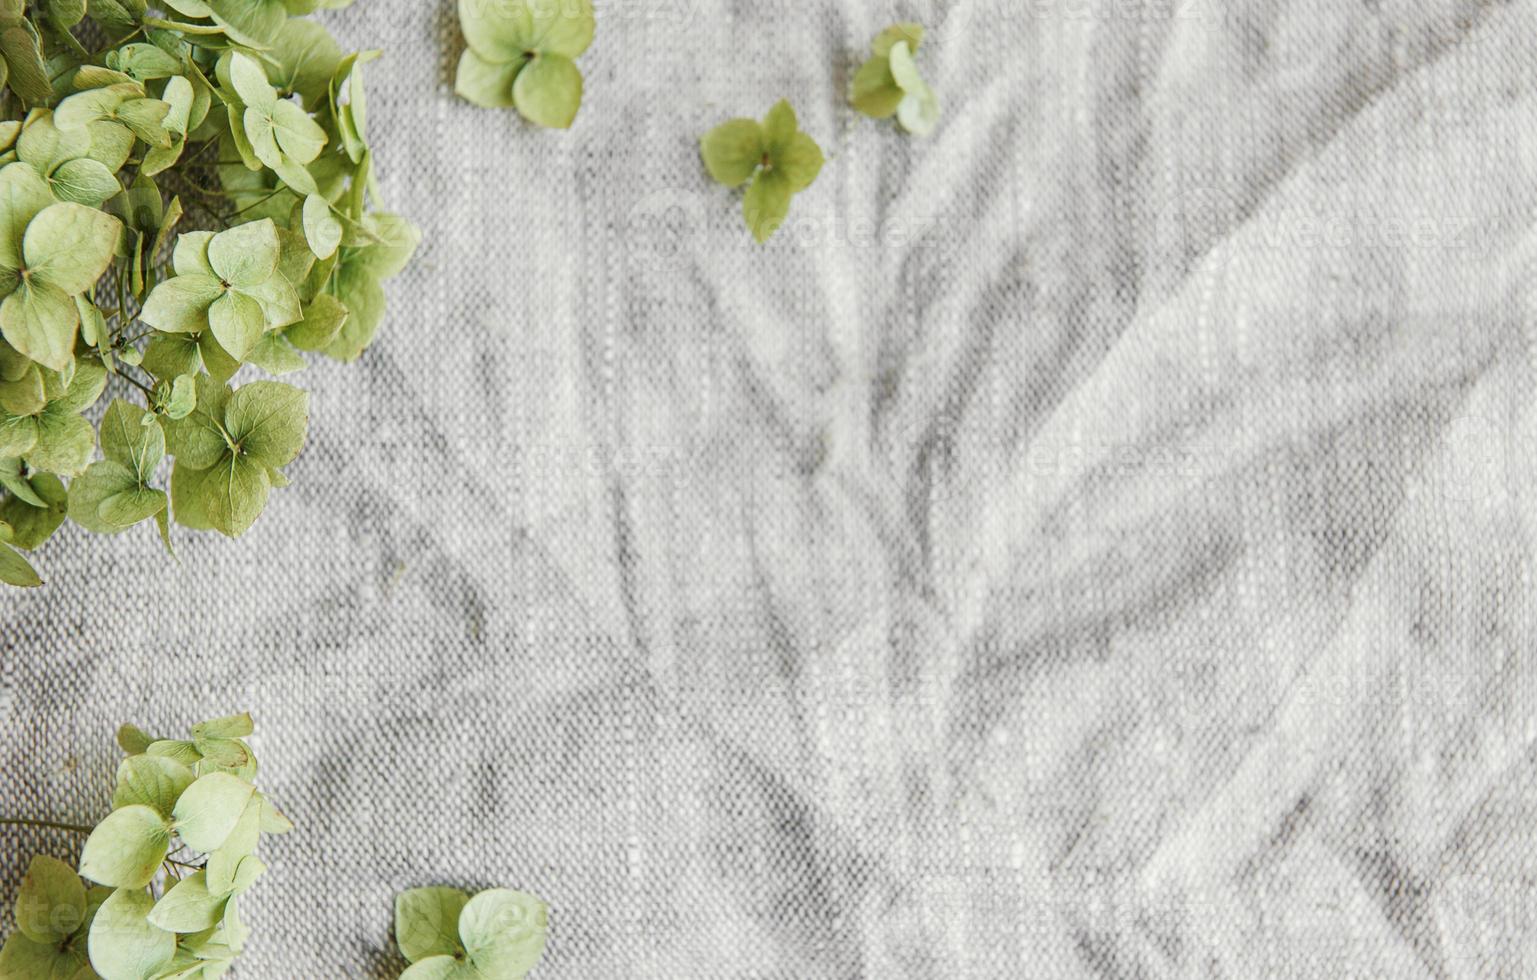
column 1095, row 542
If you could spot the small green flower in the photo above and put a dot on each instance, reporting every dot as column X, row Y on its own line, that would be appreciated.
column 121, row 107
column 77, row 167
column 114, row 494
column 231, row 450
column 14, row 570
column 446, row 935
column 280, row 134
column 889, row 84
column 50, row 253
column 779, row 159
column 229, row 284
column 388, row 244
column 522, row 53
column 56, row 439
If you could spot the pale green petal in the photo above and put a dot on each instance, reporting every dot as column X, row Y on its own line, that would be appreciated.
column 69, row 246
column 903, row 69
column 498, row 29
column 237, row 321
column 394, row 241
column 150, row 780
column 257, row 126
column 307, row 56
column 180, row 96
column 485, row 82
column 36, row 509
column 779, row 126
column 22, row 958
column 910, row 33
column 227, row 726
column 234, row 494
column 224, row 863
column 25, row 395
column 503, row 931
column 28, row 75
column 126, row 848
column 208, row 810
column 15, row 570
column 919, row 112
column 548, row 91
column 174, row 749
column 273, row 821
column 733, row 151
column 145, row 118
column 254, row 23
column 299, row 136
column 188, row 906
column 102, row 481
column 278, row 299
column 276, row 355
column 94, row 105
column 799, row 161
column 45, row 146
column 191, row 253
column 23, row 194
column 198, row 440
column 216, row 360
column 82, row 389
column 124, row 944
column 40, row 321
column 133, row 437
column 246, row 255
column 269, row 421
column 766, row 205
column 64, row 443
column 51, row 903
column 321, row 228
column 224, row 753
column 563, row 28
column 427, row 922
column 84, row 181
column 323, row 320
column 295, row 175
column 361, row 293
column 876, row 93
column 187, row 493
column 180, row 304
column 111, row 144
column 250, row 81
column 130, row 507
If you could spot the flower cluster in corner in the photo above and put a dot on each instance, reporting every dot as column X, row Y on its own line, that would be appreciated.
column 231, row 136
column 166, row 868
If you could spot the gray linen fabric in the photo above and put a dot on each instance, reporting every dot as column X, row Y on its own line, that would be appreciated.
column 1095, row 542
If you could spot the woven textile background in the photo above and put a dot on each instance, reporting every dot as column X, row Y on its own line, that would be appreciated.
column 1095, row 542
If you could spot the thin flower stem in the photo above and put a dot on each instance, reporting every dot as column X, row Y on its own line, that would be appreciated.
column 259, row 203
column 148, row 391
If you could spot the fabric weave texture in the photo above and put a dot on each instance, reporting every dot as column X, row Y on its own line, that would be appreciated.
column 1097, row 541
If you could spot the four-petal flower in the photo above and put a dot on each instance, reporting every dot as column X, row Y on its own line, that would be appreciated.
column 50, row 253
column 889, row 84
column 779, row 159
column 522, row 53
column 229, row 284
